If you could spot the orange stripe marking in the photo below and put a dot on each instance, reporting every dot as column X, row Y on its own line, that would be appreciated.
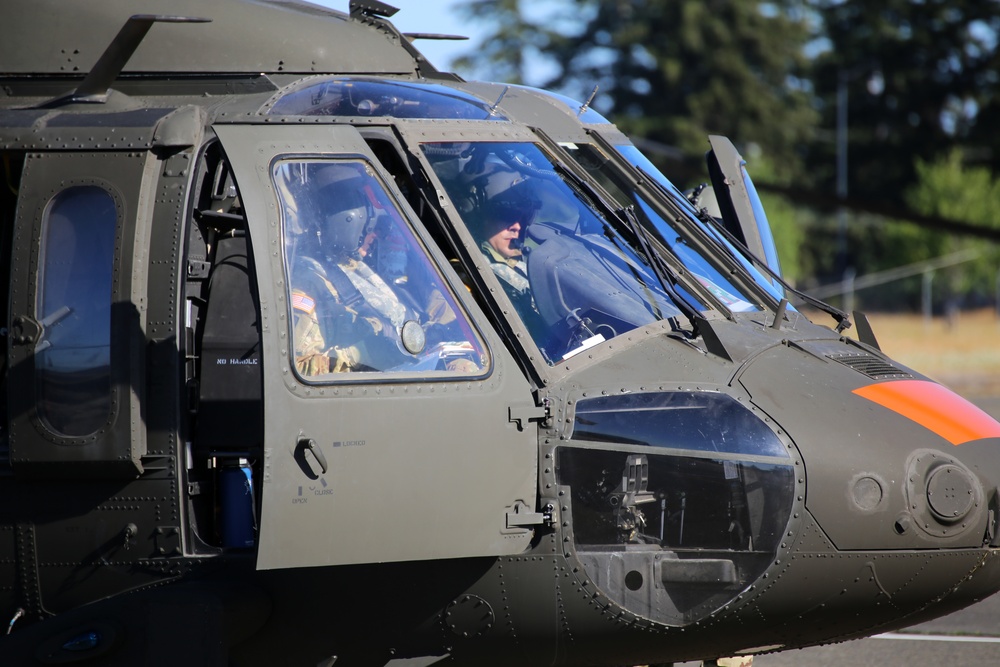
column 934, row 407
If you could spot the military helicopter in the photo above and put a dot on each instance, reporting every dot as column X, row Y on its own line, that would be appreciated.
column 317, row 355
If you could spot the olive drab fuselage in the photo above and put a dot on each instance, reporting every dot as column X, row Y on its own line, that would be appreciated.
column 505, row 396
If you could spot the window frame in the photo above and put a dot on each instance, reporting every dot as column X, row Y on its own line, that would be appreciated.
column 418, row 243
column 41, row 287
column 116, row 449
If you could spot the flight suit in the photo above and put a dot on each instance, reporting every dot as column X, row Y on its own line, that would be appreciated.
column 345, row 322
column 513, row 275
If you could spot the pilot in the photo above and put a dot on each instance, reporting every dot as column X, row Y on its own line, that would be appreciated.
column 345, row 316
column 505, row 208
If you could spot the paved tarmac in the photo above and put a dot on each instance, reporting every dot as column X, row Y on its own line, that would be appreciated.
column 967, row 638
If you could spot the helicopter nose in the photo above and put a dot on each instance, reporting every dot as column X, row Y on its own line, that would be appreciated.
column 892, row 460
column 899, row 482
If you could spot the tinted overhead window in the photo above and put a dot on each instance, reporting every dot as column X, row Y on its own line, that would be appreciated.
column 397, row 99
column 72, row 355
column 364, row 295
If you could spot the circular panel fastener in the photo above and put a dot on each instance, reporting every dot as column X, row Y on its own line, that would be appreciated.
column 469, row 616
column 867, row 493
column 944, row 497
column 951, row 493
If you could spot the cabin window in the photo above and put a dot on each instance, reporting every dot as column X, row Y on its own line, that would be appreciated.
column 73, row 351
column 364, row 295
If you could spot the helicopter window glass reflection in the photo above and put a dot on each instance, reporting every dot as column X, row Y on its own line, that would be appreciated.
column 364, row 295
column 763, row 226
column 576, row 268
column 397, row 99
column 637, row 159
column 598, row 166
column 695, row 421
column 73, row 349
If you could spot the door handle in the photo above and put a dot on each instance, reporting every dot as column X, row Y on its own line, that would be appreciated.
column 309, row 445
column 27, row 330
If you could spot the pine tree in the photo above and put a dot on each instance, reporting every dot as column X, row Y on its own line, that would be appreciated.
column 671, row 71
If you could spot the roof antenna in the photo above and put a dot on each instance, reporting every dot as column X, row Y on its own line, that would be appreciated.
column 496, row 105
column 95, row 86
column 586, row 105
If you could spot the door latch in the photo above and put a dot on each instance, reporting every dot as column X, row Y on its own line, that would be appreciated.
column 309, row 445
column 521, row 415
column 521, row 516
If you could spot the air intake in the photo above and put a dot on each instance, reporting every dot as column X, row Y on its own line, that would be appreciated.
column 870, row 365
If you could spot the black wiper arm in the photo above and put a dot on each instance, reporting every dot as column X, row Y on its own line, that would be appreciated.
column 842, row 317
column 667, row 277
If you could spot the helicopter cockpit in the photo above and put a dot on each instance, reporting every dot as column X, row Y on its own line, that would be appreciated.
column 591, row 257
column 592, row 265
column 687, row 485
column 608, row 289
column 320, row 355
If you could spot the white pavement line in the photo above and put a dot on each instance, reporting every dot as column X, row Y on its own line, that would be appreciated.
column 938, row 638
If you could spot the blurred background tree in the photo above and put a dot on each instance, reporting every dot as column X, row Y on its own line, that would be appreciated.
column 903, row 94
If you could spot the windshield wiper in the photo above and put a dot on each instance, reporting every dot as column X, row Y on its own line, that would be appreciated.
column 664, row 273
column 843, row 318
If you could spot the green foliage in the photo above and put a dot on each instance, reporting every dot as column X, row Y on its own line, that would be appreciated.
column 949, row 188
column 789, row 233
column 671, row 71
column 512, row 41
column 915, row 74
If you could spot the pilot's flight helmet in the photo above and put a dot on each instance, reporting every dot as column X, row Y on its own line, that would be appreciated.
column 500, row 197
column 344, row 209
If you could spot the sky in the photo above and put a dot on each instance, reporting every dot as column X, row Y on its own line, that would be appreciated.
column 434, row 16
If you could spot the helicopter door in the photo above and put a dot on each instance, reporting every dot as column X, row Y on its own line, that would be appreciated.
column 403, row 448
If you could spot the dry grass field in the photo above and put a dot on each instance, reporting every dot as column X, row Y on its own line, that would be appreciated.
column 963, row 354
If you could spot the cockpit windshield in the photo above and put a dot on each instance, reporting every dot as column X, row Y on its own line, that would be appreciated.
column 637, row 159
column 577, row 268
column 704, row 271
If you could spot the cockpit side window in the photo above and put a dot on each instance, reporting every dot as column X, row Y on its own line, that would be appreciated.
column 73, row 360
column 364, row 295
